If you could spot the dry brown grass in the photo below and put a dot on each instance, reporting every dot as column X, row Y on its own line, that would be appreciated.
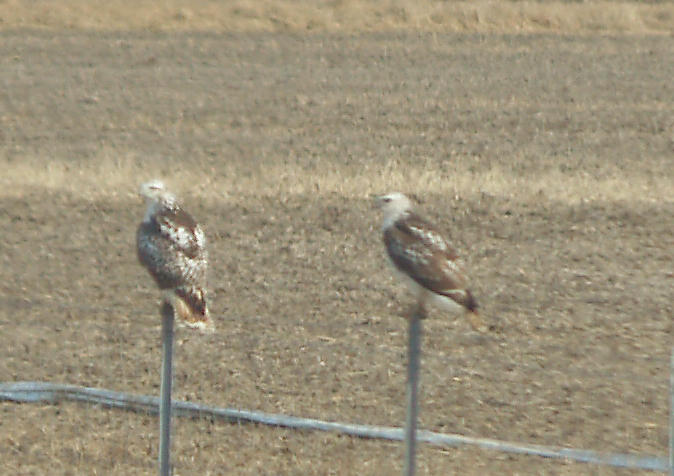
column 342, row 16
column 519, row 127
column 114, row 177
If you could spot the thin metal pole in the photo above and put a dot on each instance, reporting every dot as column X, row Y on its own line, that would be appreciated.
column 671, row 414
column 166, row 383
column 413, row 355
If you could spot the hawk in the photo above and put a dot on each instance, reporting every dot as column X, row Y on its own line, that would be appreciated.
column 172, row 247
column 424, row 260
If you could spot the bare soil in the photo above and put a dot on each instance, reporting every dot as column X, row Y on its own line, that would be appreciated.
column 576, row 284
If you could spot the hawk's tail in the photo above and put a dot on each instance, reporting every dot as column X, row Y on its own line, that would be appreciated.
column 475, row 321
column 191, row 307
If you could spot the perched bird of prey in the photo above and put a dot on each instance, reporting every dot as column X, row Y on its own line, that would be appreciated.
column 424, row 260
column 172, row 246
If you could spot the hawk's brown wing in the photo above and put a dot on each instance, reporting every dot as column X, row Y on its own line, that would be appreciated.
column 419, row 250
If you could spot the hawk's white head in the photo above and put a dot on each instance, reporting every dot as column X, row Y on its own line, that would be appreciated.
column 156, row 196
column 394, row 205
column 153, row 190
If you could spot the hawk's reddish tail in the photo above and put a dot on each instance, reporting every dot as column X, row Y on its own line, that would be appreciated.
column 191, row 307
column 475, row 321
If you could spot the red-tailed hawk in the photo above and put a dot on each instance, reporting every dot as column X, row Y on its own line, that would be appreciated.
column 424, row 260
column 172, row 246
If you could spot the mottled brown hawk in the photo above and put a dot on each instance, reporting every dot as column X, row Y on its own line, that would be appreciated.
column 172, row 246
column 424, row 260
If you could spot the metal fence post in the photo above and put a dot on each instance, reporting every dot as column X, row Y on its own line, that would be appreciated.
column 671, row 414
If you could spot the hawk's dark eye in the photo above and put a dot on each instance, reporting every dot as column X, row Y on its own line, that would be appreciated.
column 387, row 200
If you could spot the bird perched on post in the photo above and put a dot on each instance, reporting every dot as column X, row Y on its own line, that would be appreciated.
column 424, row 260
column 172, row 246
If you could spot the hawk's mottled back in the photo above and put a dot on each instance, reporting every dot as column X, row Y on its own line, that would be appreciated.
column 172, row 246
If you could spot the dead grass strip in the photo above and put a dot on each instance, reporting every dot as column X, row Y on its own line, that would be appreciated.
column 348, row 16
column 119, row 180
